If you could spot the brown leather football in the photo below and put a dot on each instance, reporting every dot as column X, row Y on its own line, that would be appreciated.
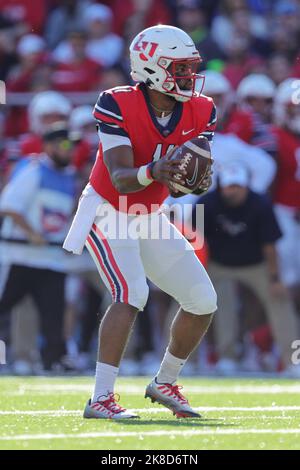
column 195, row 155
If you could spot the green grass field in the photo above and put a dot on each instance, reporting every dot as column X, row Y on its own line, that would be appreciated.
column 46, row 413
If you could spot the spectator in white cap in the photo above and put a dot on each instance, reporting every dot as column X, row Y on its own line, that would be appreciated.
column 103, row 46
column 30, row 44
column 31, row 51
column 241, row 232
column 251, row 121
column 45, row 109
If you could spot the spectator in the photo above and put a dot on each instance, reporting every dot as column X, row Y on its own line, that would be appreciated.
column 251, row 121
column 132, row 16
column 37, row 205
column 74, row 71
column 45, row 108
column 112, row 77
column 30, row 14
column 192, row 19
column 241, row 61
column 8, row 56
column 67, row 17
column 31, row 52
column 279, row 68
column 241, row 231
column 287, row 186
column 235, row 18
column 104, row 47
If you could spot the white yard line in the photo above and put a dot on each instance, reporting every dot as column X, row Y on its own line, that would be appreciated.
column 136, row 390
column 118, row 434
column 63, row 412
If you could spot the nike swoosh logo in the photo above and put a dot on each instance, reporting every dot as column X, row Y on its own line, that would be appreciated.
column 193, row 179
column 187, row 132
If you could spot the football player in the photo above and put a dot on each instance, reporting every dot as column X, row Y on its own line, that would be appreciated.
column 287, row 185
column 251, row 120
column 138, row 126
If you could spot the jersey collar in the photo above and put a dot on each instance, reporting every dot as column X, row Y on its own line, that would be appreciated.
column 175, row 118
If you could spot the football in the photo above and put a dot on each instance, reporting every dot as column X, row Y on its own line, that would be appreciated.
column 195, row 155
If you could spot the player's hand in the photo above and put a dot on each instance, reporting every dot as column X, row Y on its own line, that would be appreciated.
column 206, row 182
column 165, row 171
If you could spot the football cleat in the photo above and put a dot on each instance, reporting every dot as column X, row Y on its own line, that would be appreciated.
column 170, row 396
column 107, row 409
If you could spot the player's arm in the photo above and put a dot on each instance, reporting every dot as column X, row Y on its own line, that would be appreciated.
column 118, row 154
column 127, row 179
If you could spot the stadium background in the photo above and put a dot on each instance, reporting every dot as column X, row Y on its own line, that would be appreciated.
column 234, row 37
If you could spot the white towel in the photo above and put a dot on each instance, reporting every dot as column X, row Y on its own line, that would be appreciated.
column 83, row 220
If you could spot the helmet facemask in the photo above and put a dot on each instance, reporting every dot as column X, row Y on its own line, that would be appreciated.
column 181, row 76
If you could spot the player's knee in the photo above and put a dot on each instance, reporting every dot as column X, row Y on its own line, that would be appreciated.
column 138, row 293
column 202, row 300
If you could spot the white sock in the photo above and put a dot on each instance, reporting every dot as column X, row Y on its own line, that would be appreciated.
column 105, row 380
column 170, row 368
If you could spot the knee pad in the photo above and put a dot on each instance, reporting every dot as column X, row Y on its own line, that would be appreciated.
column 200, row 300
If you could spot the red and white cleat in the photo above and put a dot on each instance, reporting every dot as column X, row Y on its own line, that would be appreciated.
column 169, row 396
column 107, row 409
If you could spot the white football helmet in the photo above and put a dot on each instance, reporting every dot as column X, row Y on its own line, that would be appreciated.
column 219, row 88
column 256, row 85
column 287, row 105
column 157, row 52
column 216, row 83
column 81, row 116
column 45, row 103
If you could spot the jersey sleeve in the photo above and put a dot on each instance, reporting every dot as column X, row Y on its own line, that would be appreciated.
column 211, row 125
column 108, row 115
column 111, row 126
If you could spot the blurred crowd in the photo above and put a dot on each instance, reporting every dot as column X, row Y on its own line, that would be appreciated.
column 55, row 58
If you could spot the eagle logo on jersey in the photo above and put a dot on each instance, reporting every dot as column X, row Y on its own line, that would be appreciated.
column 147, row 48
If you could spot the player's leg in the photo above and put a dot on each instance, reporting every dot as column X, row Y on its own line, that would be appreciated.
column 173, row 266
column 120, row 267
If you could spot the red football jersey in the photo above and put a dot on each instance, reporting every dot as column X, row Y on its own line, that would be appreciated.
column 287, row 187
column 240, row 123
column 126, row 111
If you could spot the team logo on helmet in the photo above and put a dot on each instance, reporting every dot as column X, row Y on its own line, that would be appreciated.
column 147, row 48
